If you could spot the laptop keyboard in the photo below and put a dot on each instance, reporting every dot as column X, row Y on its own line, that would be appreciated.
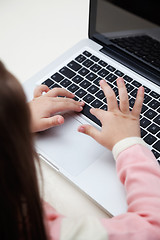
column 81, row 76
column 142, row 47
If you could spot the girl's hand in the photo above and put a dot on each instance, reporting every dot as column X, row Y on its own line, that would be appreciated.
column 118, row 122
column 45, row 108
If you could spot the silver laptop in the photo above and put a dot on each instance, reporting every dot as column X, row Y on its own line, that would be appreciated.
column 123, row 41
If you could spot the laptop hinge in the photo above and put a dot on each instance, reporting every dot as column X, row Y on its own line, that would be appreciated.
column 132, row 63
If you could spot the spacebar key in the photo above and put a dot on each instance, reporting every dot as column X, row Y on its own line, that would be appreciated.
column 86, row 112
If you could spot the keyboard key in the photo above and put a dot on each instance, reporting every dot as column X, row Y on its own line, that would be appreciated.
column 150, row 139
column 158, row 135
column 144, row 122
column 87, row 54
column 114, row 83
column 146, row 98
column 80, row 58
column 77, row 79
column 136, row 84
column 57, row 77
column 105, row 100
column 86, row 112
column 129, row 87
column 88, row 63
column 73, row 65
column 143, row 132
column 96, row 103
column 100, row 94
column 157, row 120
column 103, row 73
column 88, row 98
column 144, row 108
column 80, row 93
column 83, row 71
column 150, row 114
column 111, row 77
column 72, row 88
column 131, row 102
column 85, row 84
column 156, row 154
column 154, row 104
column 67, row 72
column 154, row 94
column 48, row 82
column 55, row 85
column 127, row 78
column 102, row 63
column 110, row 68
column 115, row 89
column 133, row 93
column 94, row 58
column 104, row 107
column 110, row 84
column 65, row 82
column 146, row 89
column 76, row 99
column 97, row 80
column 119, row 73
column 93, row 89
column 91, row 76
column 95, row 68
column 153, row 128
column 157, row 146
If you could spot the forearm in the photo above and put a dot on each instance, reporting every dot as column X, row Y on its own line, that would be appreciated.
column 139, row 172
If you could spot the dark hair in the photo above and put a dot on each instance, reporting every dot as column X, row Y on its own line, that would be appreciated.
column 21, row 214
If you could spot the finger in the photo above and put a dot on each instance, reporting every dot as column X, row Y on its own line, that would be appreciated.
column 123, row 96
column 90, row 131
column 39, row 90
column 110, row 96
column 64, row 106
column 55, row 92
column 51, row 122
column 69, row 100
column 138, row 103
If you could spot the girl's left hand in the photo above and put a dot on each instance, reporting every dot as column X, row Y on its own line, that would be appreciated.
column 45, row 108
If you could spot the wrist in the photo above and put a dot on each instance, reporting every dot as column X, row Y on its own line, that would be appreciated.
column 126, row 143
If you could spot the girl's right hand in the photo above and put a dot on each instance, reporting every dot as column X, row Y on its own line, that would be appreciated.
column 118, row 122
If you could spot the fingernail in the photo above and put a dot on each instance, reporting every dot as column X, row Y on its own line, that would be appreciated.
column 120, row 80
column 102, row 81
column 60, row 120
column 141, row 89
column 81, row 129
column 81, row 103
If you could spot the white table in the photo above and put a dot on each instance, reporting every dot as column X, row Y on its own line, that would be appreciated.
column 33, row 33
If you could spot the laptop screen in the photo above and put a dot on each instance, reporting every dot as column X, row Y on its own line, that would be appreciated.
column 117, row 18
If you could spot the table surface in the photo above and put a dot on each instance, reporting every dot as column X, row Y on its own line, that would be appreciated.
column 33, row 34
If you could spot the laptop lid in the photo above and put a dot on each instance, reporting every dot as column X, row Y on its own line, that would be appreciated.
column 110, row 19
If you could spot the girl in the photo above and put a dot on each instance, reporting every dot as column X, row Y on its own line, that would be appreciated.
column 24, row 215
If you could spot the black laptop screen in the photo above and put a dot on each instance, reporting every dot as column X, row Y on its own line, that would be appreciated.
column 116, row 17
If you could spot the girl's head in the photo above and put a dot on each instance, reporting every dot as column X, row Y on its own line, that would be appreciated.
column 21, row 214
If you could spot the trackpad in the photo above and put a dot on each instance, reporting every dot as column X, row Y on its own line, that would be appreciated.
column 67, row 148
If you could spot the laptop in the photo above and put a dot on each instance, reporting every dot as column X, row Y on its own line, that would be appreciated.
column 124, row 40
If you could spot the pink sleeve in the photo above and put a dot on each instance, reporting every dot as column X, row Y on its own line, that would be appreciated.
column 52, row 221
column 139, row 171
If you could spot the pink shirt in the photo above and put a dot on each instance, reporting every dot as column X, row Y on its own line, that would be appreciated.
column 139, row 172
